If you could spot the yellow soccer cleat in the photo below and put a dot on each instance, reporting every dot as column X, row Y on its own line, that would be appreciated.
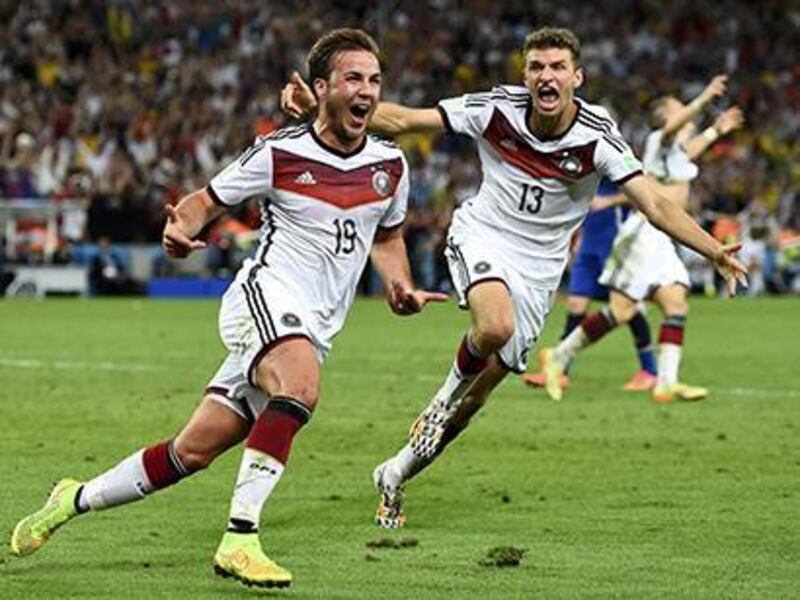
column 240, row 556
column 552, row 371
column 390, row 513
column 33, row 531
column 678, row 391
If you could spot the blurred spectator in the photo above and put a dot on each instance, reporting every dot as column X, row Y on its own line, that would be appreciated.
column 107, row 272
column 148, row 99
column 759, row 239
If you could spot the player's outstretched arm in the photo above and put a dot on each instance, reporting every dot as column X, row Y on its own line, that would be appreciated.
column 676, row 222
column 390, row 259
column 730, row 120
column 297, row 100
column 186, row 220
column 391, row 119
column 716, row 87
column 603, row 202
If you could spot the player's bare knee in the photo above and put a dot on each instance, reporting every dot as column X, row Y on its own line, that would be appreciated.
column 676, row 307
column 623, row 310
column 305, row 391
column 577, row 304
column 492, row 334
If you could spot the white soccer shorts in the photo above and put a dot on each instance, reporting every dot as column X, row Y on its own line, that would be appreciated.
column 258, row 312
column 471, row 263
column 642, row 259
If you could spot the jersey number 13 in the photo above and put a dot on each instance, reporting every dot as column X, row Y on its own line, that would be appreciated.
column 530, row 200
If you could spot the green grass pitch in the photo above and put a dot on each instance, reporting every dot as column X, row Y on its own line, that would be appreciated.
column 610, row 495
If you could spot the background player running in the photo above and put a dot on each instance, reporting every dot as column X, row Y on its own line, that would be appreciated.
column 543, row 152
column 644, row 262
column 594, row 247
column 327, row 191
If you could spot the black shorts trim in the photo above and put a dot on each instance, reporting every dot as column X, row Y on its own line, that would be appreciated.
column 484, row 280
column 507, row 367
column 266, row 349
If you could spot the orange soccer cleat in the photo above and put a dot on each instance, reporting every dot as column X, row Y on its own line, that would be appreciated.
column 537, row 380
column 642, row 381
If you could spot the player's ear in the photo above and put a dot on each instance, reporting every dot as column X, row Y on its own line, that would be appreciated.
column 320, row 88
column 578, row 76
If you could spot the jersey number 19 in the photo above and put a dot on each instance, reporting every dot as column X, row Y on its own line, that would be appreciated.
column 345, row 236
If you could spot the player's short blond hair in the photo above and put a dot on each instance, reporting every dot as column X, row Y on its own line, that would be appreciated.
column 553, row 37
column 657, row 118
column 320, row 58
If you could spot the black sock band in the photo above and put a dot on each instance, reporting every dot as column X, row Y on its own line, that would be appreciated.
column 241, row 526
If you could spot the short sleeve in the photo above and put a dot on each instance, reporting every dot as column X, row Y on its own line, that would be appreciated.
column 468, row 114
column 249, row 176
column 395, row 215
column 615, row 159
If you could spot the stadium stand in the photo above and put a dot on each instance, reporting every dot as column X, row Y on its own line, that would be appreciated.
column 127, row 105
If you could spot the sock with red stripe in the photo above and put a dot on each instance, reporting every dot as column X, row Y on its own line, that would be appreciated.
column 137, row 476
column 591, row 329
column 264, row 458
column 670, row 347
column 467, row 365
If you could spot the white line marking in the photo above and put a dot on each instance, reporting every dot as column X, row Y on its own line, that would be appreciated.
column 755, row 392
column 32, row 363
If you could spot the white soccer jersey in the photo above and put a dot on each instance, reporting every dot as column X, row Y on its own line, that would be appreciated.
column 535, row 192
column 667, row 163
column 320, row 210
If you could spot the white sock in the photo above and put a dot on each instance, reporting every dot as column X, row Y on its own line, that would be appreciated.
column 454, row 386
column 669, row 360
column 258, row 475
column 570, row 346
column 403, row 466
column 121, row 484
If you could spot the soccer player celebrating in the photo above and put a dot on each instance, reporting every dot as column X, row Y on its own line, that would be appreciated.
column 543, row 152
column 331, row 195
column 643, row 262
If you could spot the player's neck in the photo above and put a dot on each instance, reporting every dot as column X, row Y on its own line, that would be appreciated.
column 329, row 138
column 545, row 126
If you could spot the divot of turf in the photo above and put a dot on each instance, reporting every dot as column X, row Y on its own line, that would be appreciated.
column 392, row 543
column 503, row 556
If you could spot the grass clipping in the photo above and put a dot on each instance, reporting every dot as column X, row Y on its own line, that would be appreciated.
column 503, row 556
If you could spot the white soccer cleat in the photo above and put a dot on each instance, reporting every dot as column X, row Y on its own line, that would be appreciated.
column 389, row 514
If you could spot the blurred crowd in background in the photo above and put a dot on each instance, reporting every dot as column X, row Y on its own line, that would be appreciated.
column 129, row 104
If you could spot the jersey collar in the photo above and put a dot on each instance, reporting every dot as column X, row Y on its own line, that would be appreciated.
column 529, row 112
column 328, row 148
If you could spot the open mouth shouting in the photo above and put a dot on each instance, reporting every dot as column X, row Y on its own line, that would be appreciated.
column 547, row 98
column 359, row 113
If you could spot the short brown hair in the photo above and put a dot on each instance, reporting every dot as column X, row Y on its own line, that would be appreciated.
column 320, row 59
column 553, row 37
